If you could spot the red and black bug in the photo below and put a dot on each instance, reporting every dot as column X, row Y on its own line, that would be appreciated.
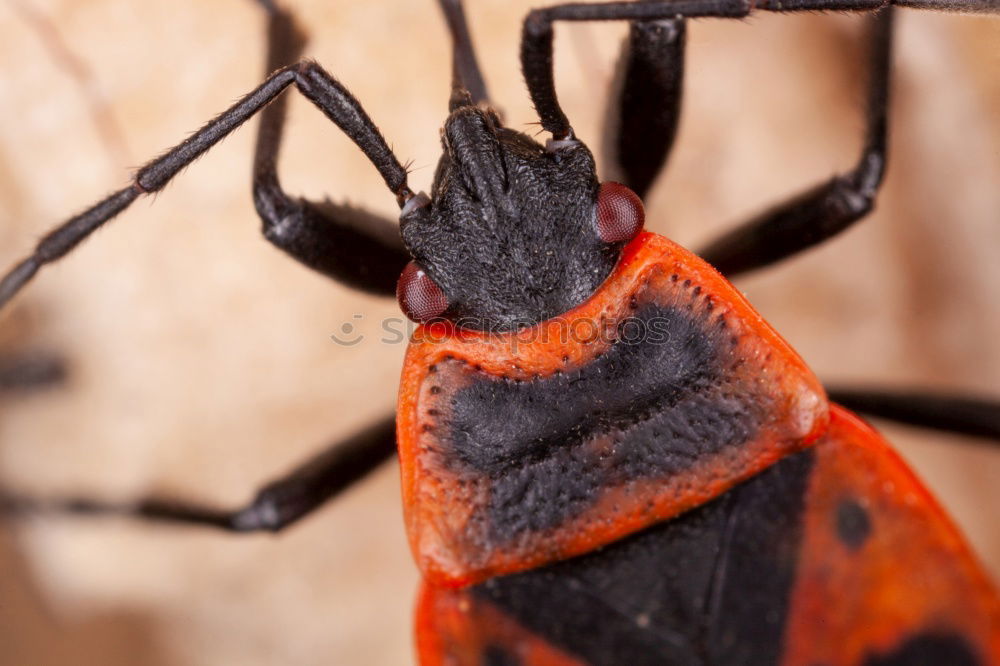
column 557, row 296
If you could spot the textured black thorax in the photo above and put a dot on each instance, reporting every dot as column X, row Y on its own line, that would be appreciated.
column 510, row 234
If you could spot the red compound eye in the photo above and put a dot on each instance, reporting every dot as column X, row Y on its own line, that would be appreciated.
column 419, row 297
column 619, row 213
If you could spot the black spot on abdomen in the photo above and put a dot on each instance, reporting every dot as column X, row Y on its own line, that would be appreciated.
column 854, row 526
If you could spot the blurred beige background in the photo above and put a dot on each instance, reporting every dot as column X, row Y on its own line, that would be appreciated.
column 201, row 358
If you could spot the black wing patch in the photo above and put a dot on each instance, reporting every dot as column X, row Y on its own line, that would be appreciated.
column 710, row 588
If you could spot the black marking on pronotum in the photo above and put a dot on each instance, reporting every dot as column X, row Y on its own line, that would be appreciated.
column 929, row 649
column 710, row 587
column 552, row 445
column 497, row 423
column 854, row 526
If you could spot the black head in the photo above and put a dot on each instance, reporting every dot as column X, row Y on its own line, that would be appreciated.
column 511, row 235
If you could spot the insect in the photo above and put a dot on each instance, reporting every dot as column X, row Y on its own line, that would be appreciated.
column 109, row 237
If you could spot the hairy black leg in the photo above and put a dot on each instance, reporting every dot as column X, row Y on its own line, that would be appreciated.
column 348, row 244
column 29, row 372
column 325, row 92
column 276, row 506
column 645, row 104
column 465, row 68
column 825, row 210
column 537, row 34
column 963, row 414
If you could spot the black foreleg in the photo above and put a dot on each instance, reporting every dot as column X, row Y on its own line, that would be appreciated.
column 349, row 244
column 645, row 107
column 827, row 209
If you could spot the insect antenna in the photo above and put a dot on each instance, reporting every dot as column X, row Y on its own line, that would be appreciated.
column 318, row 86
column 465, row 72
